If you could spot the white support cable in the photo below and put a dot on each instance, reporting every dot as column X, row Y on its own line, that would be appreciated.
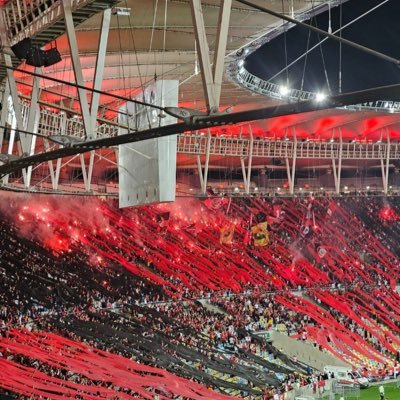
column 329, row 17
column 155, row 9
column 142, row 84
column 326, row 38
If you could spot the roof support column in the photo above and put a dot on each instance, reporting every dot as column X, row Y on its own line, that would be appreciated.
column 211, row 77
column 87, row 174
column 294, row 158
column 4, row 112
column 221, row 41
column 99, row 68
column 25, row 140
column 386, row 174
column 200, row 172
column 76, row 64
column 33, row 120
column 289, row 175
column 337, row 172
column 247, row 175
column 203, row 176
column 57, row 173
column 288, row 172
column 50, row 164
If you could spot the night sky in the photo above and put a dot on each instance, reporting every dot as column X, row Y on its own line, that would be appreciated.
column 380, row 31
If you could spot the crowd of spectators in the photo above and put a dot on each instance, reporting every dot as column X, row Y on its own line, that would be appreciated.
column 108, row 307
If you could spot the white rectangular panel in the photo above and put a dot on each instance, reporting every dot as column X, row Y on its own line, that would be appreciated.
column 147, row 169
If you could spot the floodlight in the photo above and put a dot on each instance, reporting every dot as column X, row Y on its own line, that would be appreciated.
column 284, row 90
column 320, row 97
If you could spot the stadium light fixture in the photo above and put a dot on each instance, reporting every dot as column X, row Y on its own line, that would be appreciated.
column 283, row 90
column 320, row 96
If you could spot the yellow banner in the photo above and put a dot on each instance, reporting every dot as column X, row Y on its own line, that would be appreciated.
column 227, row 232
column 260, row 234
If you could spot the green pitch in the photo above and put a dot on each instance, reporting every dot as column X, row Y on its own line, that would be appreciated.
column 372, row 393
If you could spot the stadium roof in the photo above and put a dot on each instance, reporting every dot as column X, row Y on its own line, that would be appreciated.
column 150, row 41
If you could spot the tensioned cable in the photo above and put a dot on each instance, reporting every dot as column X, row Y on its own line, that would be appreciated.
column 164, row 46
column 326, row 38
column 76, row 85
column 285, row 45
column 28, row 133
column 322, row 32
column 155, row 9
column 322, row 55
column 305, row 60
column 122, row 66
column 142, row 85
column 123, row 73
column 131, row 25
